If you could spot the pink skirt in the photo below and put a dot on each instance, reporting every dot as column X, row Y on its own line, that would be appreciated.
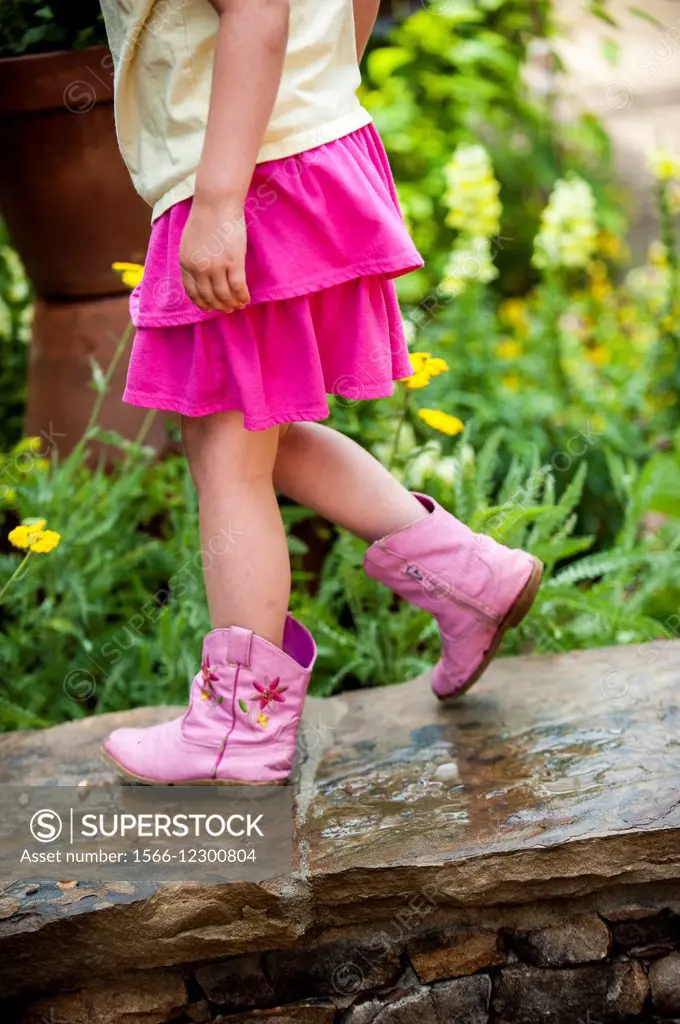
column 325, row 239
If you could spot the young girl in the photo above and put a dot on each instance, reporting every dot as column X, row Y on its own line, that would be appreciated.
column 268, row 284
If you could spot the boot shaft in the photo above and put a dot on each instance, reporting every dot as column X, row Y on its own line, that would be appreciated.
column 249, row 692
column 438, row 561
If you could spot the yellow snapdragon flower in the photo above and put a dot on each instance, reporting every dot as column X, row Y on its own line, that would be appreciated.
column 470, row 260
column 472, row 195
column 567, row 237
column 665, row 166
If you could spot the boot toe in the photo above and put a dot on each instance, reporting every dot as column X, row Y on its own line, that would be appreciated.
column 126, row 747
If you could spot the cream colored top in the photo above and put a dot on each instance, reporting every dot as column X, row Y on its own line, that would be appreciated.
column 163, row 56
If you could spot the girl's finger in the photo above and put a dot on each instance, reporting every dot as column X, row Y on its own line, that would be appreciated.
column 239, row 286
column 224, row 296
column 191, row 287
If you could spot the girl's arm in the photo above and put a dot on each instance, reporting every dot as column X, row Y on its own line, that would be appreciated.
column 365, row 14
column 249, row 55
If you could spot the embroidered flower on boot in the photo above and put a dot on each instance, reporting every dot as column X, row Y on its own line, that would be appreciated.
column 209, row 677
column 268, row 694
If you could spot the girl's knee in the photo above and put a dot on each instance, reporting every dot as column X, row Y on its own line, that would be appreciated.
column 220, row 444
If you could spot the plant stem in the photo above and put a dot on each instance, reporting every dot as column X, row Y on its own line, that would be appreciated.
column 397, row 434
column 73, row 457
column 110, row 370
column 554, row 294
column 15, row 574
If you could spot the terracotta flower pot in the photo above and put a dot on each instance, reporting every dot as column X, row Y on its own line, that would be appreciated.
column 65, row 337
column 64, row 190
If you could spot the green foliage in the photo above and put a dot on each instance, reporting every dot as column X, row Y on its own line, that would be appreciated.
column 36, row 26
column 114, row 617
column 365, row 638
column 457, row 73
column 14, row 334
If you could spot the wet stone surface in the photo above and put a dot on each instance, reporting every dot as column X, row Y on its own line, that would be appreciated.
column 553, row 751
column 555, row 779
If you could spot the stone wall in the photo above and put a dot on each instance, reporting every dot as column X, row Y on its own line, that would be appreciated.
column 515, row 859
column 549, row 963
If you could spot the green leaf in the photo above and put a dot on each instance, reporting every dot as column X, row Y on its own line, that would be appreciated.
column 243, row 706
column 646, row 16
column 659, row 486
column 99, row 383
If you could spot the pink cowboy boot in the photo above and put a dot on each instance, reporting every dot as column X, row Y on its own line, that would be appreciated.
column 241, row 724
column 474, row 587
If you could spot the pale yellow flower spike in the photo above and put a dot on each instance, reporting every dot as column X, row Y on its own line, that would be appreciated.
column 442, row 421
column 131, row 273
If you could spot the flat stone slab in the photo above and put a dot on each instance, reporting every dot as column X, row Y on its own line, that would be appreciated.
column 551, row 769
column 556, row 776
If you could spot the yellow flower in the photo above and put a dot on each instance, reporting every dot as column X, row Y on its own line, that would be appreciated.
column 664, row 166
column 425, row 367
column 598, row 355
column 472, row 195
column 441, row 421
column 509, row 349
column 263, row 720
column 609, row 244
column 418, row 360
column 511, row 383
column 32, row 534
column 32, row 444
column 436, row 366
column 8, row 494
column 567, row 236
column 47, row 541
column 41, row 465
column 417, row 380
column 130, row 273
column 26, row 534
column 514, row 312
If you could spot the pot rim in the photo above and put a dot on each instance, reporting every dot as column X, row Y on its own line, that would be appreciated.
column 16, row 58
column 73, row 81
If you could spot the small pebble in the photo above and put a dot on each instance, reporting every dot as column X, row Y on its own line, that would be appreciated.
column 24, row 800
column 447, row 773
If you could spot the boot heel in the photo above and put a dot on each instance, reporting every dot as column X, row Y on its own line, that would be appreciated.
column 523, row 604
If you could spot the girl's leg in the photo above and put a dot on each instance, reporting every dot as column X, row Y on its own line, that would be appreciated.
column 245, row 554
column 328, row 472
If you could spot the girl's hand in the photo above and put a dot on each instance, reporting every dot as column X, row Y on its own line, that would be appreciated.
column 213, row 256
